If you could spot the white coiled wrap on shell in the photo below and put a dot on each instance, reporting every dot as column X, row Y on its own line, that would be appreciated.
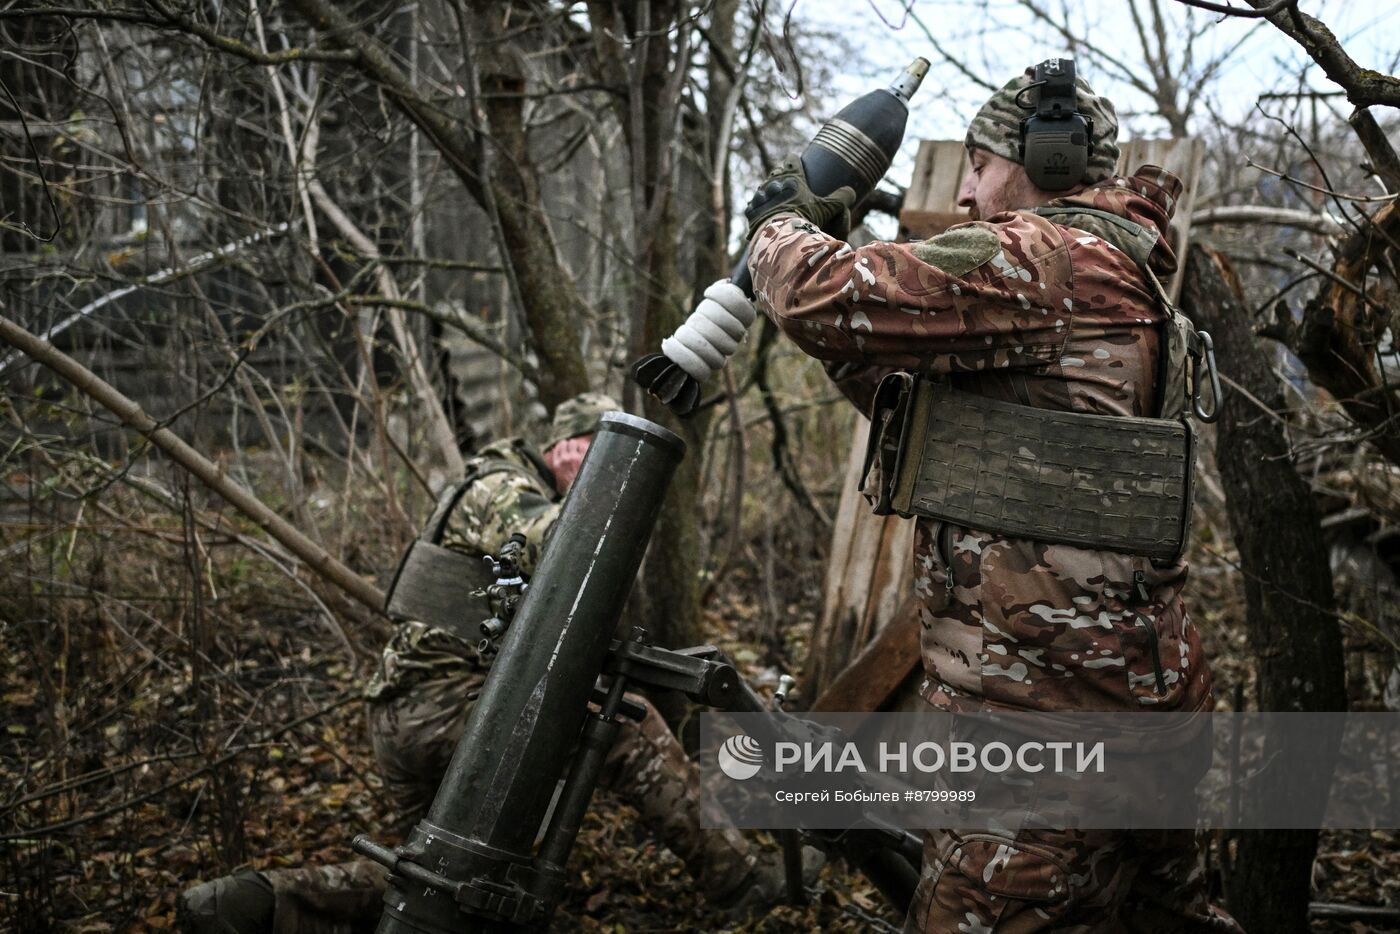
column 711, row 335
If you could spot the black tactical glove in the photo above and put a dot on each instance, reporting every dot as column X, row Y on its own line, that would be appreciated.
column 786, row 192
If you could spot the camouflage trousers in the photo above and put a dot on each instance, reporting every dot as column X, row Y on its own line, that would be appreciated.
column 414, row 735
column 1086, row 881
column 339, row 899
column 1024, row 877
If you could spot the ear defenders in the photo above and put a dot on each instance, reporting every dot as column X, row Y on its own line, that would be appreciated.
column 1056, row 138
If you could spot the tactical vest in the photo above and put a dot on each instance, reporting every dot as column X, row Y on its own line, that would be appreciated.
column 441, row 586
column 1113, row 483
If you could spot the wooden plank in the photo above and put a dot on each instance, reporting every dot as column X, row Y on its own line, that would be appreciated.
column 891, row 577
column 845, row 618
column 920, row 225
column 880, row 668
column 869, row 572
column 938, row 171
column 830, row 641
column 848, row 510
column 931, row 204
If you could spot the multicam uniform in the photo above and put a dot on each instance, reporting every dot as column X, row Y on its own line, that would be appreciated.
column 1058, row 315
column 419, row 702
column 428, row 680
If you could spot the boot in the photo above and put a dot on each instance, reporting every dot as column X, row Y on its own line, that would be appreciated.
column 238, row 904
column 765, row 887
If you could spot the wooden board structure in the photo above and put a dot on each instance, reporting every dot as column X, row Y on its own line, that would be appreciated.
column 854, row 664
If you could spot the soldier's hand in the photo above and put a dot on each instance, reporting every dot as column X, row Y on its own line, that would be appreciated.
column 786, row 192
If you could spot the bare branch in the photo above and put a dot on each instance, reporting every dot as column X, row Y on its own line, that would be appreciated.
column 168, row 18
column 1364, row 86
column 133, row 416
column 1384, row 162
column 413, row 360
column 957, row 63
column 1362, row 199
column 1227, row 9
column 1248, row 214
column 170, row 274
column 454, row 318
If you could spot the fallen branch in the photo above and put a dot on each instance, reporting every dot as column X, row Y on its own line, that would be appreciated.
column 134, row 417
column 1342, row 912
column 49, row 829
column 1246, row 214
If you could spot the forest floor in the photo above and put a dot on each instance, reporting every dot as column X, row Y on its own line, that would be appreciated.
column 150, row 774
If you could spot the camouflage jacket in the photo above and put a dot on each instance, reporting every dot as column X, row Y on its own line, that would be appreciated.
column 509, row 490
column 1044, row 313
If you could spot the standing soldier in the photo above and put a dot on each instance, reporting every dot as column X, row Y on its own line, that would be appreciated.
column 1048, row 300
column 429, row 676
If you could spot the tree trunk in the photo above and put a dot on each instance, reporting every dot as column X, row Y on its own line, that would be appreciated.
column 712, row 226
column 509, row 190
column 1342, row 333
column 651, row 66
column 1293, row 631
column 548, row 295
column 672, row 574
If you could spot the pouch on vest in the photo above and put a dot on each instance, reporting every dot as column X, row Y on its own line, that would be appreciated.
column 1114, row 483
column 883, row 445
column 437, row 585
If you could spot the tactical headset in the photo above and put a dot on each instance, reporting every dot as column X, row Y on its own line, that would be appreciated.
column 1056, row 138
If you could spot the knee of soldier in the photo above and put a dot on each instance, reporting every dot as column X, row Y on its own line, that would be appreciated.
column 242, row 903
column 652, row 722
column 647, row 739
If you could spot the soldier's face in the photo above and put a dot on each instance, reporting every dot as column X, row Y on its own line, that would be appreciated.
column 994, row 184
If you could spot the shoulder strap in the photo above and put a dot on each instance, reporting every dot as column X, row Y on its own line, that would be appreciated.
column 1180, row 345
column 451, row 495
column 1132, row 228
column 1178, row 341
column 530, row 454
column 447, row 501
column 1135, row 240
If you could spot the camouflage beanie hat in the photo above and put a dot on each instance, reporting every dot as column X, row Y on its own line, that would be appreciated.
column 577, row 416
column 997, row 126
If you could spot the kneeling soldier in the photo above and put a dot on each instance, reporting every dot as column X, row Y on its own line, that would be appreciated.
column 429, row 676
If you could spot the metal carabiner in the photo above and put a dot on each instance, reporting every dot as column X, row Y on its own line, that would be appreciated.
column 1209, row 354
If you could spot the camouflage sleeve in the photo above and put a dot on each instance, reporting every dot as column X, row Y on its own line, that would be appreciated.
column 1007, row 304
column 496, row 506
